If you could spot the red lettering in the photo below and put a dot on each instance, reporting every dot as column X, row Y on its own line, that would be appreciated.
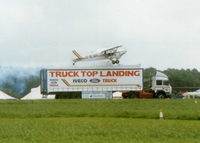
column 109, row 80
column 71, row 74
column 52, row 74
column 58, row 74
column 64, row 74
column 137, row 73
column 83, row 73
column 115, row 73
column 101, row 74
column 76, row 74
column 120, row 73
column 108, row 73
column 95, row 73
column 89, row 73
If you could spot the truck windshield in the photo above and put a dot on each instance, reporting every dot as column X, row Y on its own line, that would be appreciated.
column 165, row 82
column 159, row 82
column 162, row 82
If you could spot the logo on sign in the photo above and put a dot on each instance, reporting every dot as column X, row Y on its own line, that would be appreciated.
column 53, row 81
column 95, row 80
column 79, row 80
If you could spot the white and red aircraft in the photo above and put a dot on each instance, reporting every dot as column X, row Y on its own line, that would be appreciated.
column 113, row 54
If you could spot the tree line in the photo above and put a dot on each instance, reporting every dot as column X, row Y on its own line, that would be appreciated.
column 180, row 79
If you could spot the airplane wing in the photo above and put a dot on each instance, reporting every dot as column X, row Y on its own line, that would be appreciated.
column 77, row 54
column 111, row 50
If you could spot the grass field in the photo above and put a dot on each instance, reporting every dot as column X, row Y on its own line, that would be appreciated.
column 100, row 121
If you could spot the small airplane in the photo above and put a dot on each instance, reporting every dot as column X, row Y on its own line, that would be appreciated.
column 113, row 54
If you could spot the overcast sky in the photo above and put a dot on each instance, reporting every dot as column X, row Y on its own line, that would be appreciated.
column 157, row 33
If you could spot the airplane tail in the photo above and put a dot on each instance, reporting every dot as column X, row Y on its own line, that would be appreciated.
column 77, row 54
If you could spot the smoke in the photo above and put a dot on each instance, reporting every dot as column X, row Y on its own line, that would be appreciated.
column 18, row 80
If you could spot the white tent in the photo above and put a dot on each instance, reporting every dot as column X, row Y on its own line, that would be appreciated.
column 4, row 96
column 35, row 94
column 194, row 94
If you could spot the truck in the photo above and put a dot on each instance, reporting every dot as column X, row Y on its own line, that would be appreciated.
column 159, row 87
column 101, row 82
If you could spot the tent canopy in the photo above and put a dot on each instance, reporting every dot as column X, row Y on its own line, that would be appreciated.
column 35, row 94
column 4, row 96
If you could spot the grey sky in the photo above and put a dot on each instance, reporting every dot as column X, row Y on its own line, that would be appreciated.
column 158, row 33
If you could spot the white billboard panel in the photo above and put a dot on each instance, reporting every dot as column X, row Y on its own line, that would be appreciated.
column 94, row 79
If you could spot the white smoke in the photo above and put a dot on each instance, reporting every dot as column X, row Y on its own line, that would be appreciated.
column 15, row 78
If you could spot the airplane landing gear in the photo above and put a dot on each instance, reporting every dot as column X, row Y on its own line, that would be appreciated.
column 115, row 62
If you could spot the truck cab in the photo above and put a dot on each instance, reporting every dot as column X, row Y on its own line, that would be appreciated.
column 160, row 85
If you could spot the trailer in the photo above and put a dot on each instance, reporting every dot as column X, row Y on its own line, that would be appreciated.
column 90, row 82
column 101, row 82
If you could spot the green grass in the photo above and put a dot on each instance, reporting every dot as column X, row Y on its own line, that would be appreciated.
column 99, row 121
column 135, row 108
column 98, row 130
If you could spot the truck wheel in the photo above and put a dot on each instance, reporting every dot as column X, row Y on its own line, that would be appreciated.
column 161, row 95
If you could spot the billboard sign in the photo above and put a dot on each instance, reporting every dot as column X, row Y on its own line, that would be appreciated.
column 94, row 79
